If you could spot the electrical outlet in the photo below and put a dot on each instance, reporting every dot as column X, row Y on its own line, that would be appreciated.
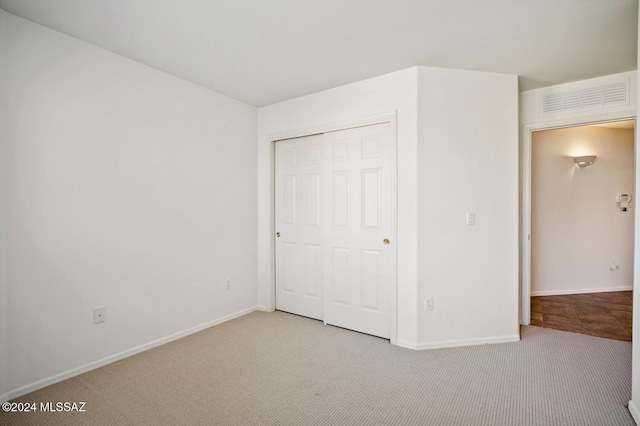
column 99, row 315
column 428, row 303
column 228, row 284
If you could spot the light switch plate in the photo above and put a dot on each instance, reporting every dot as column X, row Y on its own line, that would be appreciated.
column 471, row 218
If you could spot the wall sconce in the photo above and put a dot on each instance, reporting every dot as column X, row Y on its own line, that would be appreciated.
column 585, row 160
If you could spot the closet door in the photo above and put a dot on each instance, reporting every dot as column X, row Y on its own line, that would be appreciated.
column 298, row 195
column 359, row 231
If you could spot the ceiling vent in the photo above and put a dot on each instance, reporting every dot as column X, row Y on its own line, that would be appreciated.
column 601, row 96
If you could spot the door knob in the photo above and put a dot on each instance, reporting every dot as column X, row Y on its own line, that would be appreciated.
column 386, row 241
column 278, row 234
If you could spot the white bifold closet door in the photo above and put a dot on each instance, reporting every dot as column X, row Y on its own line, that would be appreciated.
column 336, row 250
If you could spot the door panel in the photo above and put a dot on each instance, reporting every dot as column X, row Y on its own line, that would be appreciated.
column 289, row 200
column 371, row 203
column 340, row 275
column 288, row 276
column 371, row 271
column 312, row 199
column 359, row 163
column 312, row 270
column 297, row 205
column 341, row 198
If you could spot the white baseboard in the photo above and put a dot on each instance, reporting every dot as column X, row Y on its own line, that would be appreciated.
column 407, row 345
column 459, row 343
column 581, row 290
column 117, row 357
column 634, row 412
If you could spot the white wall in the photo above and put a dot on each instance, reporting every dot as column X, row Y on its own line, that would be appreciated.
column 577, row 227
column 384, row 94
column 457, row 143
column 128, row 188
column 4, row 289
column 468, row 162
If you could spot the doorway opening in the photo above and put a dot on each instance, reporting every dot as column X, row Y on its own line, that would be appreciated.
column 582, row 197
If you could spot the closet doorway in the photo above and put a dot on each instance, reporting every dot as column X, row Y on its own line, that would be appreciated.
column 335, row 224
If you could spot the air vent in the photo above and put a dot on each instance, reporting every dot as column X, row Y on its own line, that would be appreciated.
column 572, row 100
column 606, row 95
column 615, row 94
column 552, row 103
column 592, row 97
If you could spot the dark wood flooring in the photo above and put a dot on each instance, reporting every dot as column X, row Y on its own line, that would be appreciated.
column 597, row 314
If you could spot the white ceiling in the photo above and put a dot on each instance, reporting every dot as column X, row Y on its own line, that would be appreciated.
column 265, row 51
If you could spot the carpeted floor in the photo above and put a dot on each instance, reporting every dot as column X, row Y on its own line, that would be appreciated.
column 281, row 369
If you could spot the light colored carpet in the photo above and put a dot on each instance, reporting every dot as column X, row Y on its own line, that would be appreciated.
column 281, row 369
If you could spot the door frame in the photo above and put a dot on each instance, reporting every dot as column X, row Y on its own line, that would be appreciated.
column 525, row 192
column 391, row 118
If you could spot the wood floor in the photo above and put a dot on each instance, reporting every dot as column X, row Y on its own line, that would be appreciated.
column 597, row 314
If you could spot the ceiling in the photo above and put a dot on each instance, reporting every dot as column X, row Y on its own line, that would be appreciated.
column 262, row 52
